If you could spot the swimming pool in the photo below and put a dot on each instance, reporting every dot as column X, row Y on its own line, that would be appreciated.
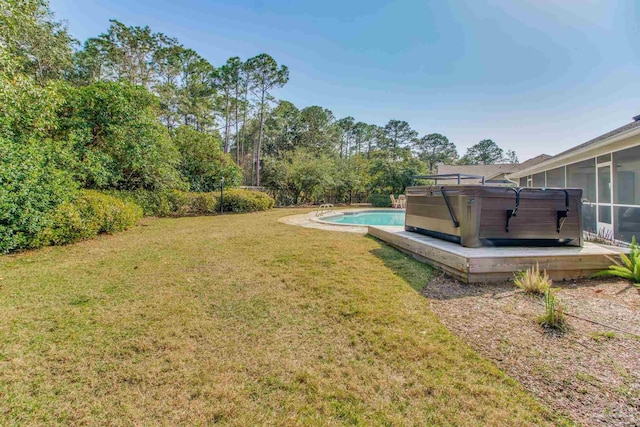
column 388, row 217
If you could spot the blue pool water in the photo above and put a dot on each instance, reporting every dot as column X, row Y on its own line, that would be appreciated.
column 370, row 218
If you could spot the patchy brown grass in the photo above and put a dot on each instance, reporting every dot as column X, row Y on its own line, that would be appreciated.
column 589, row 371
column 237, row 320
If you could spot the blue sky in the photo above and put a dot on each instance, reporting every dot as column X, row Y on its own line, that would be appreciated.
column 536, row 76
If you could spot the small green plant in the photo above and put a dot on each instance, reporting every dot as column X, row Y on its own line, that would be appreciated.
column 628, row 267
column 553, row 317
column 532, row 281
column 603, row 336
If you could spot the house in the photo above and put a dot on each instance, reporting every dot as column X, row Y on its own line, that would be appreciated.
column 495, row 174
column 607, row 168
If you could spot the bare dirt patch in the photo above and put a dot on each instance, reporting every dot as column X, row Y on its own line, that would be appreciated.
column 590, row 372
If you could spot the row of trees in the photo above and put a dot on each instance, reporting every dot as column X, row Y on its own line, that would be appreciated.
column 316, row 128
column 135, row 109
column 191, row 91
column 309, row 155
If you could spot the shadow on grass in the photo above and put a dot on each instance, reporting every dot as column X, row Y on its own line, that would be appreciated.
column 415, row 273
column 432, row 282
column 435, row 284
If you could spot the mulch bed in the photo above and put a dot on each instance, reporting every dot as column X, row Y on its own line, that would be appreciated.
column 589, row 372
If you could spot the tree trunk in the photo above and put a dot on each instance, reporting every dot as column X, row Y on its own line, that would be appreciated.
column 259, row 147
column 244, row 121
column 253, row 169
column 237, row 134
column 226, row 126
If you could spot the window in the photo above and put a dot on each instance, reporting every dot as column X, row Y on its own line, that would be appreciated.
column 627, row 223
column 604, row 159
column 604, row 213
column 589, row 218
column 539, row 180
column 555, row 178
column 604, row 184
column 626, row 167
column 583, row 175
column 523, row 181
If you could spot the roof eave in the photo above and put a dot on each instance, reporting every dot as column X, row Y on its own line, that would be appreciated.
column 558, row 160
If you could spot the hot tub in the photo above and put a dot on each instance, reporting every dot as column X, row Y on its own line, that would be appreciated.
column 478, row 215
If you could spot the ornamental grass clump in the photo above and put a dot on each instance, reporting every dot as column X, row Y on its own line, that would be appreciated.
column 627, row 267
column 532, row 281
column 553, row 317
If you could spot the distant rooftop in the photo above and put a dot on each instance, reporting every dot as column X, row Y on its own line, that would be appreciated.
column 491, row 172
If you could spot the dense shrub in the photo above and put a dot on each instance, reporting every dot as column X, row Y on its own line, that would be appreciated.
column 301, row 177
column 93, row 212
column 182, row 203
column 203, row 203
column 32, row 181
column 189, row 203
column 393, row 176
column 172, row 202
column 90, row 214
column 380, row 200
column 153, row 203
column 237, row 200
column 30, row 186
column 203, row 163
column 117, row 141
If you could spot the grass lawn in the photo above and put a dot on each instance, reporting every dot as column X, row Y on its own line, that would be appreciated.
column 239, row 320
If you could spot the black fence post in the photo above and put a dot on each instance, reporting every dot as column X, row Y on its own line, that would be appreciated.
column 222, row 195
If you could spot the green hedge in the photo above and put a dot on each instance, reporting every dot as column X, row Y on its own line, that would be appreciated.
column 181, row 203
column 189, row 203
column 93, row 212
column 90, row 214
column 153, row 203
column 239, row 201
column 380, row 200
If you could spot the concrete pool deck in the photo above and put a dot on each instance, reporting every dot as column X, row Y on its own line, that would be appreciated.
column 494, row 264
column 311, row 220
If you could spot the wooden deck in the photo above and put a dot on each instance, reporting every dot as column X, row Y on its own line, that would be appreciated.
column 490, row 264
